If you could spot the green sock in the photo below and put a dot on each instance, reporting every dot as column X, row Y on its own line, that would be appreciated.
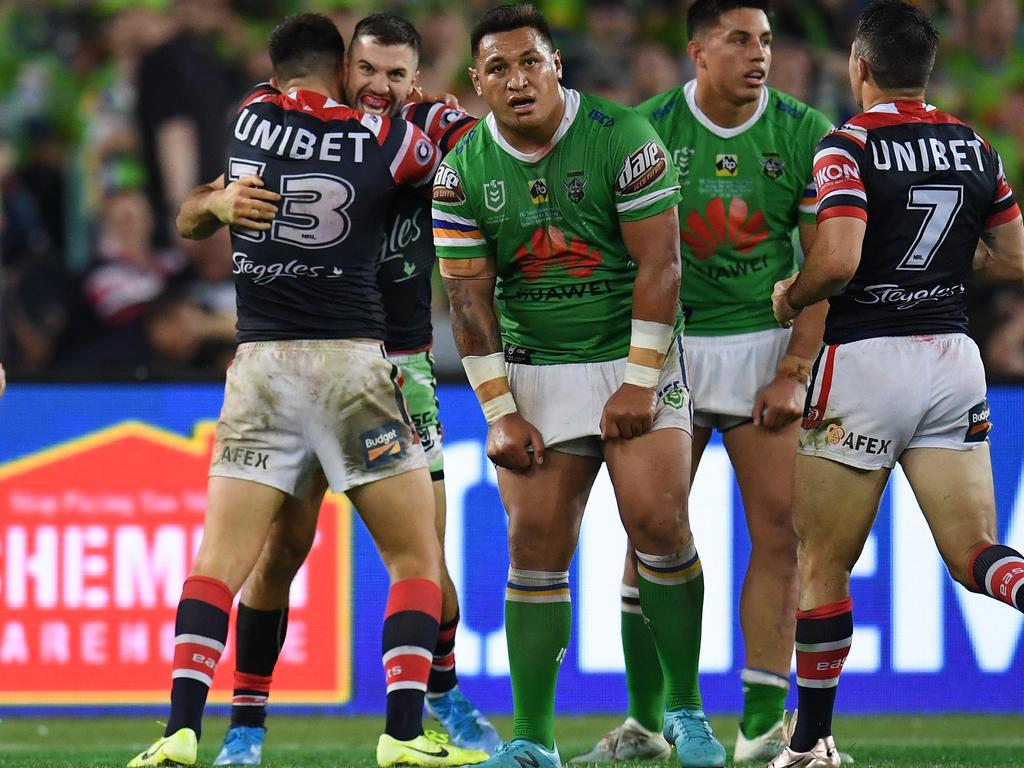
column 672, row 595
column 644, row 681
column 538, row 620
column 764, row 701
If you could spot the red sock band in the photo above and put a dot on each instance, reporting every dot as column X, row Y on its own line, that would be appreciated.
column 212, row 591
column 421, row 595
column 827, row 611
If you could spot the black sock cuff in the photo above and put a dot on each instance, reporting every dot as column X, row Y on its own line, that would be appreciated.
column 985, row 558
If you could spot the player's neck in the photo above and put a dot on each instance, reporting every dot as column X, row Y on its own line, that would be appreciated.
column 874, row 96
column 310, row 85
column 720, row 110
column 535, row 139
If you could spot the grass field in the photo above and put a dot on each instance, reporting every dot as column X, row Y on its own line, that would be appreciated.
column 891, row 742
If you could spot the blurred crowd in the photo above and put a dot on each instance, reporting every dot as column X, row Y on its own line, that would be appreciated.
column 111, row 110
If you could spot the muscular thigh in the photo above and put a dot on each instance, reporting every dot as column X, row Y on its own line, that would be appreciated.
column 651, row 477
column 763, row 463
column 545, row 508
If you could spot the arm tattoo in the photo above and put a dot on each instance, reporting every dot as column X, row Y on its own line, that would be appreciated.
column 474, row 324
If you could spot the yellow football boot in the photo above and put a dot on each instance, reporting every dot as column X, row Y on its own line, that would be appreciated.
column 179, row 748
column 430, row 749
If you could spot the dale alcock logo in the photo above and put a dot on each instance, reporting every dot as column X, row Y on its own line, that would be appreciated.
column 97, row 535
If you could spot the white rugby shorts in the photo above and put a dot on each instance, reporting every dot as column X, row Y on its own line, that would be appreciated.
column 727, row 372
column 294, row 407
column 871, row 400
column 565, row 401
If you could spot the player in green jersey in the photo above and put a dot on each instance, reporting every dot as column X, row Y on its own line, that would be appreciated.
column 745, row 154
column 563, row 207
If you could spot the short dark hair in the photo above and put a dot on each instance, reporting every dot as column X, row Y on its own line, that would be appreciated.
column 704, row 14
column 305, row 44
column 898, row 42
column 505, row 18
column 389, row 29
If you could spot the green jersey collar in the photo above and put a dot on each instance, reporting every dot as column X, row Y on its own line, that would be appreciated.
column 572, row 107
column 690, row 92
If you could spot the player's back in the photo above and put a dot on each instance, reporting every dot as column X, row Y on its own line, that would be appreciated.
column 927, row 185
column 313, row 274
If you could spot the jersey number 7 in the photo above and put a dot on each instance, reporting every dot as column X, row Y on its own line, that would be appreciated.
column 941, row 203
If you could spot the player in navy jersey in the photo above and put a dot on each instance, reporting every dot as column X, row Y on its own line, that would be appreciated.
column 310, row 393
column 382, row 69
column 905, row 192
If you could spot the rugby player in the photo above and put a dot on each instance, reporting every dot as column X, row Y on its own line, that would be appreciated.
column 310, row 392
column 744, row 153
column 904, row 194
column 563, row 207
column 382, row 69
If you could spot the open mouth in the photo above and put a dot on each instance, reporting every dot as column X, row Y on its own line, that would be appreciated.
column 374, row 104
column 754, row 77
column 521, row 105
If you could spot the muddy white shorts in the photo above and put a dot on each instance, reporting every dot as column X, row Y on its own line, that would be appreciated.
column 727, row 372
column 565, row 402
column 873, row 399
column 294, row 407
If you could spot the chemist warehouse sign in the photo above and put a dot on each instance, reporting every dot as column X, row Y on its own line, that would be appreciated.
column 98, row 535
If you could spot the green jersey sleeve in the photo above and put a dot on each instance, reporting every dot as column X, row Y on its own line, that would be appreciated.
column 457, row 233
column 646, row 183
column 813, row 129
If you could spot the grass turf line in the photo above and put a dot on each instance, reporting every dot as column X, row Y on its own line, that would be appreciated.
column 969, row 741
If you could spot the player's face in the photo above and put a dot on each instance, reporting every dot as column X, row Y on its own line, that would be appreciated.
column 517, row 73
column 380, row 77
column 735, row 55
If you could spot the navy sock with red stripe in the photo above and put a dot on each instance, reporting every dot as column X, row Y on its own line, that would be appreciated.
column 442, row 668
column 823, row 638
column 259, row 636
column 200, row 631
column 998, row 572
column 410, row 635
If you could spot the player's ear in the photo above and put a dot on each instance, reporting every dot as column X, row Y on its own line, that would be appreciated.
column 475, row 77
column 556, row 58
column 274, row 84
column 864, row 71
column 693, row 50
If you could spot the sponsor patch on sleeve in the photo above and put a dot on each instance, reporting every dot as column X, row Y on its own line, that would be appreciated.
column 642, row 169
column 978, row 424
column 448, row 186
column 382, row 445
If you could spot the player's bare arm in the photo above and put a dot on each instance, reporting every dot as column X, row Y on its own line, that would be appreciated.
column 1004, row 251
column 781, row 401
column 242, row 203
column 653, row 244
column 512, row 442
column 830, row 265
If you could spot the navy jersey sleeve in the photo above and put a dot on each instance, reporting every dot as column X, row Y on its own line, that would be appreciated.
column 411, row 156
column 443, row 125
column 837, row 174
column 1004, row 208
column 256, row 94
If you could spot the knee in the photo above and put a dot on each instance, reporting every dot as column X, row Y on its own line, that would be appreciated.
column 658, row 536
column 536, row 546
column 818, row 564
column 772, row 535
column 960, row 562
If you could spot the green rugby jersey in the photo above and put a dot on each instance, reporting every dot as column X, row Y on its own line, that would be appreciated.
column 744, row 190
column 551, row 221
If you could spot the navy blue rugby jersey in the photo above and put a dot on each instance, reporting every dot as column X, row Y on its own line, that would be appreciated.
column 928, row 186
column 407, row 253
column 313, row 275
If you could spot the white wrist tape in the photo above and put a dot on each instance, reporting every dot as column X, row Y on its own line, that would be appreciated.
column 648, row 344
column 488, row 377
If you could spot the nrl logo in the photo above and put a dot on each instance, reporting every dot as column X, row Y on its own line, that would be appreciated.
column 681, row 157
column 575, row 183
column 494, row 195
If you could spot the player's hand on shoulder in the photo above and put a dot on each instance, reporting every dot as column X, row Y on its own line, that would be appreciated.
column 417, row 94
column 784, row 313
column 245, row 203
column 779, row 404
column 514, row 443
column 628, row 413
